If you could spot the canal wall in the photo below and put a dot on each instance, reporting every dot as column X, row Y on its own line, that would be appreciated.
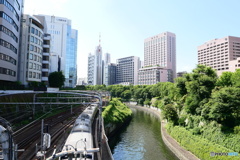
column 172, row 144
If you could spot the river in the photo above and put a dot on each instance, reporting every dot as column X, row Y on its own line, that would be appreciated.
column 141, row 139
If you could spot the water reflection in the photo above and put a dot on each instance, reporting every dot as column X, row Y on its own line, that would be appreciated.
column 140, row 140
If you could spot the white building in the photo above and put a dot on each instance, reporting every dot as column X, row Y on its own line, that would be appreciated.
column 30, row 66
column 63, row 47
column 95, row 67
column 10, row 21
column 160, row 50
column 127, row 70
column 153, row 75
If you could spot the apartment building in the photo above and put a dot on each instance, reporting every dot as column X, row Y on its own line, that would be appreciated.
column 30, row 57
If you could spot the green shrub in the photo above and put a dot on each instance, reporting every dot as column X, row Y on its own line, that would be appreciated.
column 116, row 112
column 197, row 145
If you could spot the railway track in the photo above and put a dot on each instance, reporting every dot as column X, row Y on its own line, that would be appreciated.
column 29, row 136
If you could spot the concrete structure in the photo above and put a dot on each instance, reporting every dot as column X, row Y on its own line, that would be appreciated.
column 160, row 50
column 63, row 47
column 30, row 57
column 218, row 53
column 234, row 64
column 95, row 67
column 82, row 81
column 110, row 71
column 46, row 63
column 153, row 75
column 180, row 74
column 10, row 19
column 127, row 70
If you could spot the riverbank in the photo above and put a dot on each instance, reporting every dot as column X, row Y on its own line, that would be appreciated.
column 172, row 144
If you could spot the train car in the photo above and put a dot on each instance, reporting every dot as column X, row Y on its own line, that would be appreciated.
column 79, row 144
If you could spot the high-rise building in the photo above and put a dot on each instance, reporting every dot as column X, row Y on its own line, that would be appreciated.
column 10, row 19
column 218, row 53
column 110, row 74
column 160, row 51
column 95, row 67
column 63, row 47
column 107, row 58
column 127, row 70
column 30, row 57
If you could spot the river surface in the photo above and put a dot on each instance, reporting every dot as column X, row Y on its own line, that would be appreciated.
column 140, row 139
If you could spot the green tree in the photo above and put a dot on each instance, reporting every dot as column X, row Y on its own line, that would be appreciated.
column 224, row 106
column 56, row 79
column 225, row 80
column 126, row 95
column 170, row 113
column 236, row 78
column 199, row 85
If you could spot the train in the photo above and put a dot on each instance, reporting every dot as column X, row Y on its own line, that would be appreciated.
column 79, row 143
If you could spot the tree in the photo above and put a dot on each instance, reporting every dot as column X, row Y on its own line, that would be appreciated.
column 225, row 106
column 126, row 95
column 236, row 78
column 225, row 80
column 170, row 113
column 199, row 87
column 56, row 79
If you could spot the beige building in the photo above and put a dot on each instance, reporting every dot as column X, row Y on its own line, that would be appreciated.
column 153, row 75
column 30, row 66
column 159, row 59
column 218, row 53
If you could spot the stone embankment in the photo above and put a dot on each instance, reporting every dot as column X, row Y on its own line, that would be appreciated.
column 172, row 144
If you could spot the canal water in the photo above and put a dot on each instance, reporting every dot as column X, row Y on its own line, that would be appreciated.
column 140, row 139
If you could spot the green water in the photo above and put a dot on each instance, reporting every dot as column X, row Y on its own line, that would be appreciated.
column 140, row 140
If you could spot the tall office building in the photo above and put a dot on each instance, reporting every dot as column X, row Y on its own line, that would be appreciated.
column 160, row 51
column 95, row 67
column 10, row 19
column 218, row 53
column 110, row 71
column 127, row 70
column 106, row 63
column 63, row 47
column 30, row 57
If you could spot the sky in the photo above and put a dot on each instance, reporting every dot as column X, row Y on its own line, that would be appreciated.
column 124, row 24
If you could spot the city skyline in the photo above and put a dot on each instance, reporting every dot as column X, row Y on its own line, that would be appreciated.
column 124, row 27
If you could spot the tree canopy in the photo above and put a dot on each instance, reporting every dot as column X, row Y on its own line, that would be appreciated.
column 56, row 79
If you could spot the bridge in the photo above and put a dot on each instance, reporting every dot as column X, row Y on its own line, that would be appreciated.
column 23, row 104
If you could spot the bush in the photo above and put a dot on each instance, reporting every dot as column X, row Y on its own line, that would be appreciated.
column 197, row 145
column 116, row 112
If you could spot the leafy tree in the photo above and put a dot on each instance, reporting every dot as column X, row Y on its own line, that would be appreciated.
column 225, row 80
column 199, row 86
column 170, row 113
column 225, row 106
column 126, row 95
column 56, row 79
column 147, row 102
column 236, row 78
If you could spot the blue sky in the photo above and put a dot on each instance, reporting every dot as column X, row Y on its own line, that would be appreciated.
column 124, row 24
